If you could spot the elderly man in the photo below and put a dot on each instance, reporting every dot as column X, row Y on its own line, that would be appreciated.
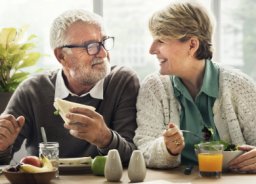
column 81, row 46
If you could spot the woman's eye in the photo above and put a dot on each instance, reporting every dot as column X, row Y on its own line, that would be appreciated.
column 157, row 41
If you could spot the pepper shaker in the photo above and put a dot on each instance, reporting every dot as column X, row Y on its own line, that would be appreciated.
column 137, row 167
column 113, row 168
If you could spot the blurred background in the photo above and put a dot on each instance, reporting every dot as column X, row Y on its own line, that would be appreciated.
column 127, row 20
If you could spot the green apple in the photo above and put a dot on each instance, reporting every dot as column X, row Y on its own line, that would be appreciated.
column 98, row 165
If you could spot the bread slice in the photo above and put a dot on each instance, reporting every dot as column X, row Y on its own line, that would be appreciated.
column 64, row 106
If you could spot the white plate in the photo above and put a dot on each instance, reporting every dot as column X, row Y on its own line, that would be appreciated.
column 74, row 169
column 228, row 156
column 77, row 165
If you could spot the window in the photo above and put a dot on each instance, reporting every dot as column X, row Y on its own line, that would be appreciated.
column 38, row 16
column 128, row 22
column 238, row 33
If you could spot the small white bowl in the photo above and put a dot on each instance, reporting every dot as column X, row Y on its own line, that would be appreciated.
column 228, row 156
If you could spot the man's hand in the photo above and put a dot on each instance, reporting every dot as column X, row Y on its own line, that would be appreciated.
column 9, row 129
column 173, row 139
column 88, row 125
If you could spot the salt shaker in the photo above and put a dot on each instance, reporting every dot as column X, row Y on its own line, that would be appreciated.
column 137, row 167
column 113, row 168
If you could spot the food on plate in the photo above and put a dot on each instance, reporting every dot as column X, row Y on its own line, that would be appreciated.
column 229, row 146
column 208, row 137
column 45, row 165
column 63, row 107
column 32, row 164
column 32, row 160
column 226, row 146
column 207, row 133
column 98, row 165
column 75, row 161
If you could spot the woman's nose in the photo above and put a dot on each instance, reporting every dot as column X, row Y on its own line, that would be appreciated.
column 152, row 49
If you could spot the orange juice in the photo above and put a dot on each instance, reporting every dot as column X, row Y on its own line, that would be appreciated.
column 210, row 162
column 210, row 159
column 210, row 165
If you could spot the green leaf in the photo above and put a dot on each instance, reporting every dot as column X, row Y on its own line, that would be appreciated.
column 57, row 112
column 7, row 35
column 15, row 54
column 19, row 77
column 27, row 46
column 15, row 58
column 30, row 60
column 31, row 37
column 226, row 146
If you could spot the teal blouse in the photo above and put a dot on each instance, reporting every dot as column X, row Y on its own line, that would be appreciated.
column 196, row 114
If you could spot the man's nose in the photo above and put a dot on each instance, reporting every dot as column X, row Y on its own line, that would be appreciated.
column 103, row 52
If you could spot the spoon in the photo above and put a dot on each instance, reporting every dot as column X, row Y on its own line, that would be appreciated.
column 43, row 135
column 192, row 133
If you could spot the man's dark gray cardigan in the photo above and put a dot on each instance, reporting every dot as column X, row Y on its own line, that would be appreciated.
column 34, row 99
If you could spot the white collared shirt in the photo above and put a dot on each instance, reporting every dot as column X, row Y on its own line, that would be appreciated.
column 61, row 90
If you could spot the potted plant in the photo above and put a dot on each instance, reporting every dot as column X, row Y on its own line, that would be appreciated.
column 16, row 54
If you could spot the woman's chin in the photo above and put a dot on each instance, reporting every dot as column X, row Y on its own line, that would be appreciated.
column 164, row 72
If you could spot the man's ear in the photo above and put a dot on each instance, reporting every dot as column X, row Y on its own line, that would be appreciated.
column 59, row 54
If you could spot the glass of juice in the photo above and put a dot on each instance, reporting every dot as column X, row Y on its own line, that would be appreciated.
column 210, row 158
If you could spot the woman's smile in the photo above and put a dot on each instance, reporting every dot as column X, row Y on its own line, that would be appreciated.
column 162, row 61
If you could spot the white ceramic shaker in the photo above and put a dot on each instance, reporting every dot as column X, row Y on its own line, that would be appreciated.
column 113, row 168
column 137, row 167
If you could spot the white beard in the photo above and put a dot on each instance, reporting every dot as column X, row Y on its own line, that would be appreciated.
column 90, row 76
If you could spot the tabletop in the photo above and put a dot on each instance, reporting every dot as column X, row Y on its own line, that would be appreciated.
column 169, row 176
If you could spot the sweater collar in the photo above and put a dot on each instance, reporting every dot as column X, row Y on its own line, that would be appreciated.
column 210, row 85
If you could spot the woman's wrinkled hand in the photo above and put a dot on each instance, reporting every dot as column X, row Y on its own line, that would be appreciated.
column 173, row 139
column 245, row 162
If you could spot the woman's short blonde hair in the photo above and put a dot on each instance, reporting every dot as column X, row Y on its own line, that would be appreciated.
column 182, row 20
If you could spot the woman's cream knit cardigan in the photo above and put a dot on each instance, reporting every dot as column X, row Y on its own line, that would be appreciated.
column 234, row 114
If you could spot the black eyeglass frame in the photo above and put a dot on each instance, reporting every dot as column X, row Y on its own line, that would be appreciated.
column 87, row 44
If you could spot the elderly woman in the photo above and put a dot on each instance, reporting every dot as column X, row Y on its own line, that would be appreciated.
column 192, row 93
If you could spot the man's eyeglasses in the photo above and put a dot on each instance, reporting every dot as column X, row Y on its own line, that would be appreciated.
column 93, row 48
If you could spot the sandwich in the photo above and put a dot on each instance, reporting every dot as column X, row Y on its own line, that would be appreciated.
column 63, row 107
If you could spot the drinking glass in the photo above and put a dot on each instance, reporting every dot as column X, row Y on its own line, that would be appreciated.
column 51, row 151
column 210, row 158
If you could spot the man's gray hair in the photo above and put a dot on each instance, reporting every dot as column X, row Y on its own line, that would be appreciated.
column 61, row 24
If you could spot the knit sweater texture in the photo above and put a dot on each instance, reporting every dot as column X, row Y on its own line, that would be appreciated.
column 35, row 97
column 234, row 114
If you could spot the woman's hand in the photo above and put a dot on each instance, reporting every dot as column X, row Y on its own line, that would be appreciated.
column 245, row 162
column 173, row 139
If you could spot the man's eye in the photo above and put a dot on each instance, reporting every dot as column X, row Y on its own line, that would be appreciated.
column 92, row 45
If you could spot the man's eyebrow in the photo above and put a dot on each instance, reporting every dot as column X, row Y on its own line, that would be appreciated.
column 89, row 41
column 93, row 41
